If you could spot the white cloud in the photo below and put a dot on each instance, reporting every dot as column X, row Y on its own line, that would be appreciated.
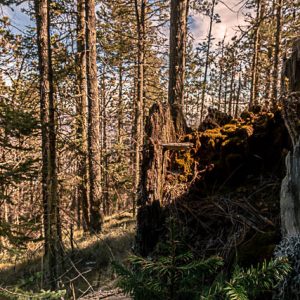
column 230, row 19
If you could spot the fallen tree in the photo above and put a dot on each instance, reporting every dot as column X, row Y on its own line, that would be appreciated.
column 223, row 184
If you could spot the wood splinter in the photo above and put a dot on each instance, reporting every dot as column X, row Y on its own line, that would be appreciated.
column 177, row 146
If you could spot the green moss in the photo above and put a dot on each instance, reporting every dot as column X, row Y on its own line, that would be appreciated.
column 211, row 137
column 212, row 146
column 213, row 133
column 185, row 162
column 230, row 129
column 212, row 143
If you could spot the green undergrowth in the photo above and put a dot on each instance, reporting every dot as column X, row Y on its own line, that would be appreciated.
column 174, row 272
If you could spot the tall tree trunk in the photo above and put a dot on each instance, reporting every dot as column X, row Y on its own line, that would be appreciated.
column 82, row 115
column 225, row 91
column 106, row 203
column 140, row 12
column 268, row 91
column 211, row 16
column 256, row 46
column 221, row 75
column 53, row 243
column 94, row 156
column 177, row 58
column 277, row 49
column 42, row 41
column 120, row 104
column 238, row 95
column 232, row 86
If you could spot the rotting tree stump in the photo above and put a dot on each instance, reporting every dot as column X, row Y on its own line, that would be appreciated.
column 159, row 130
column 160, row 140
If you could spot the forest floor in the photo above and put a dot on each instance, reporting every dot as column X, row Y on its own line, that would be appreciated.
column 89, row 273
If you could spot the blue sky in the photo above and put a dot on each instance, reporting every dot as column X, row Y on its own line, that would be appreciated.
column 17, row 17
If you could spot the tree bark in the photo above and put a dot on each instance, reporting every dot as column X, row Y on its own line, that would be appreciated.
column 238, row 95
column 106, row 203
column 160, row 131
column 42, row 41
column 53, row 243
column 140, row 13
column 120, row 104
column 290, row 188
column 221, row 74
column 94, row 156
column 82, row 115
column 256, row 46
column 225, row 92
column 207, row 59
column 178, row 37
column 232, row 85
column 275, row 77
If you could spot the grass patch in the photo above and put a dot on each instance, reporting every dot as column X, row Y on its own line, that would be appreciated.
column 88, row 265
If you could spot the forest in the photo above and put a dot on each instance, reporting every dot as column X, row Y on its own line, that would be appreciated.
column 149, row 149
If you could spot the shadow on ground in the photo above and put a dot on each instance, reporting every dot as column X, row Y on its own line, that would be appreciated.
column 87, row 267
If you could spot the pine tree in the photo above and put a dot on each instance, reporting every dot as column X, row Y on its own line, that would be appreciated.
column 93, row 121
column 178, row 40
column 53, row 243
column 82, row 115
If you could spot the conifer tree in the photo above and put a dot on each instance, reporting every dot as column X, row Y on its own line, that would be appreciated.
column 82, row 115
column 178, row 40
column 140, row 14
column 93, row 120
column 53, row 243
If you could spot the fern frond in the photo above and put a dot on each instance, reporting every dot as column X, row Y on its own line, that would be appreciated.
column 261, row 278
column 235, row 292
column 210, row 265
